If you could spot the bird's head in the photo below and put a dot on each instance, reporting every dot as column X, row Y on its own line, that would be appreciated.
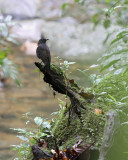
column 42, row 40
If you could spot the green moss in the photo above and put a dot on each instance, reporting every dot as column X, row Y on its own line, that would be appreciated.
column 57, row 70
column 90, row 130
column 92, row 127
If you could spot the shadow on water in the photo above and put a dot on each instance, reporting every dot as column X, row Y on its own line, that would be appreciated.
column 35, row 96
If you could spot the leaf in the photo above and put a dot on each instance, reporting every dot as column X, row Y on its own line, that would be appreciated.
column 122, row 33
column 107, row 23
column 94, row 66
column 3, row 54
column 107, row 56
column 107, row 37
column 3, row 29
column 17, row 81
column 23, row 138
column 109, row 65
column 107, row 1
column 46, row 125
column 37, row 70
column 38, row 120
column 112, row 97
column 71, row 63
column 95, row 19
column 64, row 6
column 76, row 1
column 12, row 40
column 8, row 18
column 123, row 124
column 124, row 98
column 115, row 40
column 118, row 71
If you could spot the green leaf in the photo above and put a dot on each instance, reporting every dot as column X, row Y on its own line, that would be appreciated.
column 76, row 1
column 107, row 1
column 117, row 39
column 23, row 138
column 95, row 19
column 107, row 56
column 17, row 81
column 109, row 65
column 3, row 54
column 32, row 141
column 38, row 120
column 107, row 23
column 64, row 6
column 112, row 97
column 107, row 37
column 37, row 70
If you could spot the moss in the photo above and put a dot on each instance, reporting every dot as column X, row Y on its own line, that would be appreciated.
column 90, row 130
column 57, row 70
column 92, row 127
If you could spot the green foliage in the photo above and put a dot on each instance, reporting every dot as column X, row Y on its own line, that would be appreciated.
column 7, row 67
column 116, row 56
column 65, row 65
column 31, row 136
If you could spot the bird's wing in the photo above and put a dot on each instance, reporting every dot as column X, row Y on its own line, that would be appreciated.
column 40, row 51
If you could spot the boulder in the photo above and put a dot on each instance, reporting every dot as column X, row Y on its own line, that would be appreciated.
column 20, row 9
column 65, row 39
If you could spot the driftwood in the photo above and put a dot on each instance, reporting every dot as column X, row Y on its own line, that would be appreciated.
column 78, row 97
column 59, row 82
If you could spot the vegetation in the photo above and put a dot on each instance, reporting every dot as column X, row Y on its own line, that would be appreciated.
column 7, row 67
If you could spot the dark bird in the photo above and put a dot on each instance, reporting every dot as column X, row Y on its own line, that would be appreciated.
column 43, row 52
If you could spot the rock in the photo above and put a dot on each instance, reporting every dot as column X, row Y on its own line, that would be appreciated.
column 50, row 9
column 65, row 39
column 20, row 9
column 28, row 30
column 68, row 20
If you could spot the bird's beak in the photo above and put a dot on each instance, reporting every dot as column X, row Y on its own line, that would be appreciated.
column 47, row 39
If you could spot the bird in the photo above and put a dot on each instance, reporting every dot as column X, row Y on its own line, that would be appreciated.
column 43, row 52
